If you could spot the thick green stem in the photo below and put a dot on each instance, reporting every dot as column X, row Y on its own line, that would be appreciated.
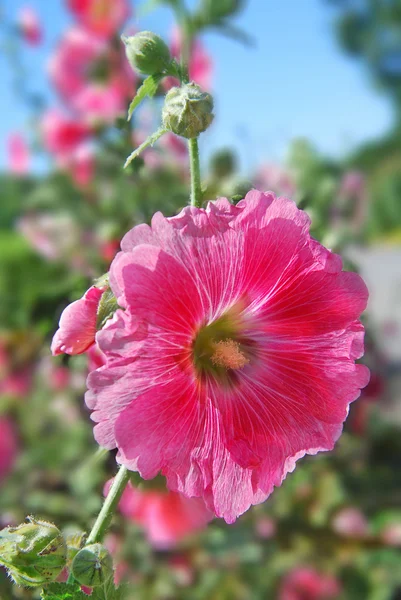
column 194, row 164
column 103, row 520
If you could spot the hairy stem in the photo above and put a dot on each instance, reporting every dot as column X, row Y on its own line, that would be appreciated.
column 196, row 188
column 103, row 520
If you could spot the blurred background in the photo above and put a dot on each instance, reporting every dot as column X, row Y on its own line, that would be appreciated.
column 308, row 105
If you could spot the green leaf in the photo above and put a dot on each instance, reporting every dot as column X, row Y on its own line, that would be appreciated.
column 63, row 591
column 149, row 142
column 109, row 592
column 147, row 90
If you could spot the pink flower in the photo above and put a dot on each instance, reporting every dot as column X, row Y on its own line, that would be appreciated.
column 62, row 134
column 351, row 522
column 92, row 76
column 8, row 447
column 101, row 17
column 77, row 327
column 305, row 583
column 15, row 376
column 81, row 165
column 30, row 26
column 391, row 534
column 18, row 154
column 166, row 517
column 235, row 354
column 200, row 65
column 275, row 179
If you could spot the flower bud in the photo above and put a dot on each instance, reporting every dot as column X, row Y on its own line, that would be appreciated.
column 187, row 111
column 147, row 52
column 223, row 163
column 216, row 11
column 92, row 565
column 33, row 553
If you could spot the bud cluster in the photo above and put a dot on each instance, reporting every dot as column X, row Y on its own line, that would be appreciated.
column 33, row 553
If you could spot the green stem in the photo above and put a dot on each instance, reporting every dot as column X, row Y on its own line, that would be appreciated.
column 194, row 164
column 103, row 520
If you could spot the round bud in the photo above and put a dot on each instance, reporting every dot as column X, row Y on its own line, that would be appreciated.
column 223, row 163
column 187, row 111
column 92, row 566
column 213, row 11
column 147, row 53
column 33, row 553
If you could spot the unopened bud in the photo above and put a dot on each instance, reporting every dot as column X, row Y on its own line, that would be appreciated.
column 221, row 9
column 223, row 163
column 147, row 53
column 187, row 111
column 92, row 566
column 33, row 553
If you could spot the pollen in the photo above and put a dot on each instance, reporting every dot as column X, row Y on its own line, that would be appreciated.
column 227, row 353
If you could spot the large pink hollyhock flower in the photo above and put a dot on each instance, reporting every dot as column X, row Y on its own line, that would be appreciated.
column 167, row 517
column 8, row 447
column 305, row 583
column 30, row 26
column 92, row 76
column 77, row 327
column 235, row 354
column 101, row 17
column 18, row 154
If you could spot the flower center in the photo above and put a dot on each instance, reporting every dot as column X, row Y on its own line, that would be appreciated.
column 228, row 354
column 220, row 349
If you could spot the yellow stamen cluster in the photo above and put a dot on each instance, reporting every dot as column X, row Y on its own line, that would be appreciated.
column 227, row 353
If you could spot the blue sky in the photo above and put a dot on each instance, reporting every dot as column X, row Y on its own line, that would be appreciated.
column 296, row 82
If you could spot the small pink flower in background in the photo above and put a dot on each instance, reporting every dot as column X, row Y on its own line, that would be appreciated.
column 15, row 381
column 353, row 184
column 8, row 447
column 54, row 236
column 391, row 534
column 274, row 178
column 62, row 134
column 18, row 154
column 235, row 354
column 200, row 65
column 265, row 527
column 80, row 164
column 101, row 17
column 175, row 146
column 351, row 522
column 77, row 327
column 92, row 77
column 30, row 26
column 304, row 583
column 166, row 517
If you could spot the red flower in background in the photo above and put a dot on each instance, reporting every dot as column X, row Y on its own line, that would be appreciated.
column 101, row 17
column 92, row 76
column 30, row 26
column 305, row 583
column 166, row 517
column 8, row 447
column 18, row 154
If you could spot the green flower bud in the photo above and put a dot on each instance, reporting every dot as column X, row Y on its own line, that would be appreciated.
column 33, row 553
column 213, row 12
column 223, row 163
column 147, row 53
column 187, row 111
column 92, row 565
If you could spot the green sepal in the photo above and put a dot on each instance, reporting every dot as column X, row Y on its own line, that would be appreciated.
column 152, row 139
column 147, row 90
column 63, row 591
